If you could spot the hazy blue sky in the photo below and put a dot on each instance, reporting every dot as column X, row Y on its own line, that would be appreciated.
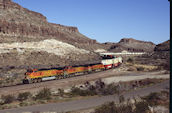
column 108, row 20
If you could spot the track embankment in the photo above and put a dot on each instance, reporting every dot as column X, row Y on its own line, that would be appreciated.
column 113, row 75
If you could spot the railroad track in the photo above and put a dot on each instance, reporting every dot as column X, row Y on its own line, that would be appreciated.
column 55, row 84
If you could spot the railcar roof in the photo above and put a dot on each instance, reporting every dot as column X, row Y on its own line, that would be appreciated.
column 58, row 68
column 61, row 68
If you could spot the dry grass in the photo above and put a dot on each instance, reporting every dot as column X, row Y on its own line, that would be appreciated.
column 140, row 67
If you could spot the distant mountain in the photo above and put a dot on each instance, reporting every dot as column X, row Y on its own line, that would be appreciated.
column 160, row 56
column 131, row 45
column 165, row 46
column 162, row 51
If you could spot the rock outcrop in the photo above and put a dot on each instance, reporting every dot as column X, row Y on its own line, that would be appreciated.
column 165, row 46
column 131, row 45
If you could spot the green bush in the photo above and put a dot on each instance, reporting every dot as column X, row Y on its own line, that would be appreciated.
column 23, row 96
column 44, row 94
column 8, row 99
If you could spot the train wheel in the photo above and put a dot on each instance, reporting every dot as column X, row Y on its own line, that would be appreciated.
column 39, row 80
column 62, row 76
column 57, row 77
column 30, row 81
column 25, row 81
column 34, row 80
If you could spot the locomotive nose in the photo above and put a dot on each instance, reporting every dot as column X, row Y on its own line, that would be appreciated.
column 27, row 73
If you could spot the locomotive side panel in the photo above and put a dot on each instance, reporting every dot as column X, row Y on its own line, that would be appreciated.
column 97, row 67
column 107, row 63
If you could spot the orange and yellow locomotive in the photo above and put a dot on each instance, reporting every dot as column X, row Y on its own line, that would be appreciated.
column 38, row 75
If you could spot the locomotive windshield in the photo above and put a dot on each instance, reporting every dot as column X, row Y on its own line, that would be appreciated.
column 29, row 70
column 108, row 57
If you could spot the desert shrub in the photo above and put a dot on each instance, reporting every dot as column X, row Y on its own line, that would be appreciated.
column 23, row 96
column 44, row 94
column 42, row 101
column 166, row 66
column 88, row 93
column 121, row 98
column 109, row 90
column 8, row 99
column 166, row 93
column 61, row 92
column 140, row 69
column 77, row 91
column 152, row 98
column 130, row 60
column 132, row 69
column 1, row 83
column 24, row 104
column 111, row 107
column 141, row 107
column 100, row 88
column 99, row 84
column 106, row 108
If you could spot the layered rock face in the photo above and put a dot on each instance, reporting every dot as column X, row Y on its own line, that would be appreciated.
column 162, row 51
column 21, row 25
column 165, row 46
column 131, row 45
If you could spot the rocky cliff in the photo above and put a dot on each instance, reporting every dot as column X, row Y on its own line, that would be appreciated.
column 131, row 45
column 18, row 24
column 165, row 46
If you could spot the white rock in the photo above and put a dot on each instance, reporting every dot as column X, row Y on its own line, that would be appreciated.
column 50, row 45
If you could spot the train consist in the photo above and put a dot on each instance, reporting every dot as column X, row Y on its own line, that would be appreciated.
column 38, row 75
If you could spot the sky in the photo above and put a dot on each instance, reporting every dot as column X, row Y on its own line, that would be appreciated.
column 109, row 20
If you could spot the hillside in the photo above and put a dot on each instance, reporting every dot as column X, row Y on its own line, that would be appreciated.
column 28, row 40
column 160, row 56
column 162, row 51
column 19, row 24
column 165, row 46
column 131, row 45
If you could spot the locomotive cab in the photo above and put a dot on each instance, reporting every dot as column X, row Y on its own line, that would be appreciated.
column 107, row 57
column 27, row 78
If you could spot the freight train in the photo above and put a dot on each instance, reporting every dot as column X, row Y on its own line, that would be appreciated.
column 39, row 75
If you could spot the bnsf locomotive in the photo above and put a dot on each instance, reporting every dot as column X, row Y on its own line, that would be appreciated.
column 38, row 75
